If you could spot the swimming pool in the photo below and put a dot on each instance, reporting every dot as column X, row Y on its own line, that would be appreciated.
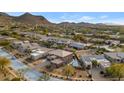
column 29, row 73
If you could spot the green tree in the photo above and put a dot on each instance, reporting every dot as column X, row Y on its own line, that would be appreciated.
column 74, row 51
column 95, row 63
column 44, row 77
column 45, row 32
column 79, row 37
column 61, row 46
column 69, row 70
column 47, row 44
column 116, row 70
column 4, row 43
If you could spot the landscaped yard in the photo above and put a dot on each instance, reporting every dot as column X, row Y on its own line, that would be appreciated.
column 79, row 74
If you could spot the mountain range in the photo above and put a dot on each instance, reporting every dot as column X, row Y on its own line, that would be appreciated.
column 33, row 20
column 26, row 18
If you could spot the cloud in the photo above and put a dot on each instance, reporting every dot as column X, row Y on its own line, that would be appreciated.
column 103, row 17
column 86, row 18
column 75, row 18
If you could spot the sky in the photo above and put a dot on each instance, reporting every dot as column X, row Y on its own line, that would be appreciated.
column 90, row 17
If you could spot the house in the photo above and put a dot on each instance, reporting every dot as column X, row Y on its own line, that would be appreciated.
column 24, row 34
column 77, row 45
column 64, row 41
column 59, row 57
column 94, row 40
column 103, row 62
column 112, row 42
column 61, row 41
column 39, row 53
column 7, row 38
column 24, row 46
column 65, row 55
column 3, row 37
column 10, row 39
column 87, row 61
column 116, row 36
column 103, row 65
column 57, row 62
column 106, row 47
column 43, row 38
column 18, row 45
column 122, row 44
column 115, row 56
column 88, row 34
column 52, row 39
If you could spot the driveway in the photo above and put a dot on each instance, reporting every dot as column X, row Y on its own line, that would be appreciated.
column 97, row 76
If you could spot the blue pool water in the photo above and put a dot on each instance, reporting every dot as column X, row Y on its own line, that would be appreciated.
column 29, row 73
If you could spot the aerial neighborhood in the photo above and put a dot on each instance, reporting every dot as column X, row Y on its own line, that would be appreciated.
column 33, row 49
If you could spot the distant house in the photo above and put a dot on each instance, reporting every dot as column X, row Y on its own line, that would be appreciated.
column 61, row 41
column 52, row 39
column 114, row 36
column 24, row 34
column 94, row 40
column 112, row 42
column 44, row 38
column 1, row 37
column 59, row 57
column 106, row 47
column 7, row 38
column 115, row 57
column 88, row 34
column 77, row 45
column 10, row 39
column 64, row 41
column 122, row 44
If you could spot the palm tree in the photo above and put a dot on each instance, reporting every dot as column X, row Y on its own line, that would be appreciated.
column 4, row 63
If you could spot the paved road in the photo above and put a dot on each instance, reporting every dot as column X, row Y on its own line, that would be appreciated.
column 97, row 76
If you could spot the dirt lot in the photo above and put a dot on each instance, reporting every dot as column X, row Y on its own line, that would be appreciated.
column 7, row 77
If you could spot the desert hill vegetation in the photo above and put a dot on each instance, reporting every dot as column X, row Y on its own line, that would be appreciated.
column 39, row 24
